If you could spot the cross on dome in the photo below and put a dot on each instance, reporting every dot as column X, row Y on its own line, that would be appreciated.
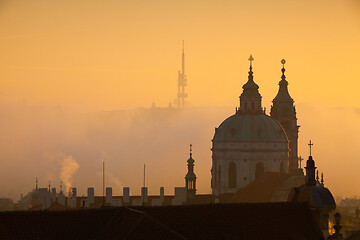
column 310, row 145
column 251, row 59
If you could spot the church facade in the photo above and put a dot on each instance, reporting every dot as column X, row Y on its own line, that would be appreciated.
column 250, row 142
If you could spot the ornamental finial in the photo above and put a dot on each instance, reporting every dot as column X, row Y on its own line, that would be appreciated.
column 310, row 145
column 283, row 62
column 190, row 149
column 251, row 59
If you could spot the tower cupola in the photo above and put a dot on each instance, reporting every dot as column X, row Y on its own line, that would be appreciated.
column 190, row 178
column 250, row 99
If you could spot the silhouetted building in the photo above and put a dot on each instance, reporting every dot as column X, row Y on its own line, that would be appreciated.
column 283, row 111
column 211, row 221
column 190, row 178
column 247, row 144
column 319, row 198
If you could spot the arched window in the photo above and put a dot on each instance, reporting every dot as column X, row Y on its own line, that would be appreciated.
column 282, row 170
column 259, row 170
column 232, row 175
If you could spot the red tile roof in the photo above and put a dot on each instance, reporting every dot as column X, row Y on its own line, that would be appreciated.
column 260, row 190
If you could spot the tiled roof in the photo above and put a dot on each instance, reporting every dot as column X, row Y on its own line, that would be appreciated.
column 239, row 221
column 267, row 182
column 211, row 221
column 103, row 223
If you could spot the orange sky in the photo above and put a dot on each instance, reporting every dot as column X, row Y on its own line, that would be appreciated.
column 93, row 56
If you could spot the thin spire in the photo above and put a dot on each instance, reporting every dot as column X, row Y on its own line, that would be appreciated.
column 283, row 93
column 61, row 187
column 190, row 150
column 183, row 58
column 317, row 176
column 49, row 186
column 144, row 183
column 322, row 179
column 36, row 183
column 251, row 59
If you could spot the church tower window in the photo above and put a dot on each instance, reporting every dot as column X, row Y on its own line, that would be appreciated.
column 232, row 175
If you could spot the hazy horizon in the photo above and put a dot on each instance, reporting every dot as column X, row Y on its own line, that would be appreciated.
column 64, row 66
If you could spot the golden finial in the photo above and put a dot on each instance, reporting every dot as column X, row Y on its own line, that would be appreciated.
column 251, row 58
column 283, row 62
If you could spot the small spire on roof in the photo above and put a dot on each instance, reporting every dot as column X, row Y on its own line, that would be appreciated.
column 190, row 150
column 317, row 176
column 36, row 183
column 322, row 179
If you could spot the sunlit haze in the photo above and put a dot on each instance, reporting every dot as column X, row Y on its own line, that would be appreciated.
column 77, row 79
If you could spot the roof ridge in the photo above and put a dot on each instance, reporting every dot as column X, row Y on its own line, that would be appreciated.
column 145, row 214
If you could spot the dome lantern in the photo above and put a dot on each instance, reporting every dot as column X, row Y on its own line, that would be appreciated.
column 250, row 99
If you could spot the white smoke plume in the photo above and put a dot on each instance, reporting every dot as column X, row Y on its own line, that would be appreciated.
column 69, row 168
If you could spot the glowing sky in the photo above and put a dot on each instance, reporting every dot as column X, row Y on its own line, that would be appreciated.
column 89, row 55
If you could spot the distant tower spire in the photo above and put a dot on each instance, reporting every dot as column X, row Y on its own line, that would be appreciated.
column 36, row 184
column 322, row 179
column 49, row 186
column 61, row 191
column 182, row 82
column 190, row 178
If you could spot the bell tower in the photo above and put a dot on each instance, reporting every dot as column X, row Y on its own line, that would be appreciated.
column 190, row 178
column 283, row 111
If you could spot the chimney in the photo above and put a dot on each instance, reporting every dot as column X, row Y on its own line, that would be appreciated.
column 126, row 195
column 162, row 195
column 144, row 195
column 53, row 195
column 108, row 198
column 90, row 196
column 73, row 193
column 61, row 199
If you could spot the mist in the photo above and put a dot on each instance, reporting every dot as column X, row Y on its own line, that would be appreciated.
column 55, row 144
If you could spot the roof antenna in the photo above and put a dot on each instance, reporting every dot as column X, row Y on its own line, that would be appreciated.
column 144, row 176
column 103, row 183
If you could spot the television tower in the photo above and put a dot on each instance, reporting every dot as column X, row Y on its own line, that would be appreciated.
column 182, row 83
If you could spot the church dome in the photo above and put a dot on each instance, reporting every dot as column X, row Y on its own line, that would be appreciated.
column 247, row 127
